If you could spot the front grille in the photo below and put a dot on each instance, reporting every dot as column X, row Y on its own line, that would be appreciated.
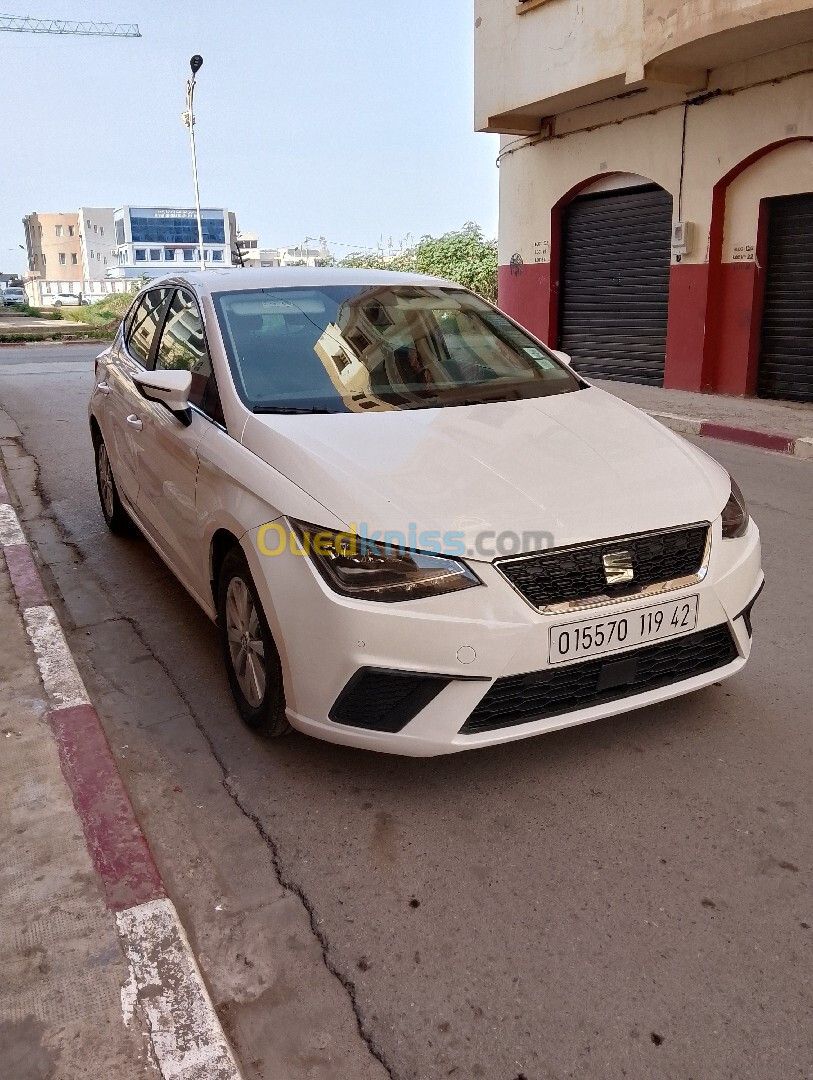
column 568, row 575
column 518, row 699
column 379, row 699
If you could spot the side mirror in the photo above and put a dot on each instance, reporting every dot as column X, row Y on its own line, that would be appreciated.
column 171, row 388
column 563, row 356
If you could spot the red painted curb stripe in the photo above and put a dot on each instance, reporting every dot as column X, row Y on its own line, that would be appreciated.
column 25, row 576
column 117, row 846
column 781, row 444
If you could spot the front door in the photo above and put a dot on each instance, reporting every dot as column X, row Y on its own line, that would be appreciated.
column 122, row 399
column 169, row 464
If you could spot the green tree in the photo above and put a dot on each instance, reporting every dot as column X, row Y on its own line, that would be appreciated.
column 463, row 255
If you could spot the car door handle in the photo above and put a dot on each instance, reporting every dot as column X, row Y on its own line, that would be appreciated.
column 103, row 387
column 134, row 421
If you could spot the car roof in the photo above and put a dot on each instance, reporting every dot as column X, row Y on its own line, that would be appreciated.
column 287, row 277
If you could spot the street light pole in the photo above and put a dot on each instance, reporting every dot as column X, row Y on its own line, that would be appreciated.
column 196, row 63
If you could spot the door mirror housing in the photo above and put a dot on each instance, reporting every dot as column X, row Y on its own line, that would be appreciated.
column 171, row 388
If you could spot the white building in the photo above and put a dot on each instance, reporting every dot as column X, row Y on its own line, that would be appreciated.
column 97, row 244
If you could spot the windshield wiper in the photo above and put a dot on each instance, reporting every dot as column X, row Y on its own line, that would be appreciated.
column 286, row 410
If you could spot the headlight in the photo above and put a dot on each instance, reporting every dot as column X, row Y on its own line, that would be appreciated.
column 366, row 570
column 735, row 514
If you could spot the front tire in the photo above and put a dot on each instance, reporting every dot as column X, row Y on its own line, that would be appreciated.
column 252, row 662
column 115, row 516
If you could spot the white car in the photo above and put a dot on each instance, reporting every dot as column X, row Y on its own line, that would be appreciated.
column 418, row 529
column 65, row 299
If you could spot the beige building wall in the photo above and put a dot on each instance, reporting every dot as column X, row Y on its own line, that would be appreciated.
column 720, row 133
column 53, row 246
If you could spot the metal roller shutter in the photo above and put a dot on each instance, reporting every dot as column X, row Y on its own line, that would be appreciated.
column 786, row 359
column 615, row 284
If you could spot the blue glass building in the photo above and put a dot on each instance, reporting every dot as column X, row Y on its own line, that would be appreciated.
column 153, row 240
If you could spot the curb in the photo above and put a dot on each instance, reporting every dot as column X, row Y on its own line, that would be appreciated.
column 165, row 982
column 764, row 440
column 53, row 341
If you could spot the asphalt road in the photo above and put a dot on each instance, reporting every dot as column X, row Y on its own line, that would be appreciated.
column 629, row 898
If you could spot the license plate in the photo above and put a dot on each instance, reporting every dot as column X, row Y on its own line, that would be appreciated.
column 612, row 633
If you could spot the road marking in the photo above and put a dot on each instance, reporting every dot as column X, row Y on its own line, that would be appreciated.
column 60, row 677
column 10, row 531
column 47, row 367
column 187, row 1039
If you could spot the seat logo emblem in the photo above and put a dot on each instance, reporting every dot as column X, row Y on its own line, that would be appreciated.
column 618, row 567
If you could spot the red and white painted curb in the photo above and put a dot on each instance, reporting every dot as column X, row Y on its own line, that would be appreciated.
column 710, row 429
column 187, row 1039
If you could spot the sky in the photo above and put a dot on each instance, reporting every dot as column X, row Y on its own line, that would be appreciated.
column 349, row 120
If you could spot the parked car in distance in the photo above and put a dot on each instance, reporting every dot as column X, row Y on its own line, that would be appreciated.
column 417, row 528
column 13, row 295
column 58, row 300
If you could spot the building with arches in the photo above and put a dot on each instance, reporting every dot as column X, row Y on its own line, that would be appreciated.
column 656, row 185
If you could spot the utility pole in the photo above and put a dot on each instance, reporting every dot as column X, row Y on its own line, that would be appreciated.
column 196, row 63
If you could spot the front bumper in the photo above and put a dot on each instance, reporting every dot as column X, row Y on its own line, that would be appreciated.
column 472, row 639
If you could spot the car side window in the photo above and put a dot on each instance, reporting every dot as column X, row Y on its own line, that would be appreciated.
column 144, row 324
column 183, row 348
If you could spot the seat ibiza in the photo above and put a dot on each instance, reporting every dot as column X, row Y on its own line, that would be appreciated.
column 417, row 528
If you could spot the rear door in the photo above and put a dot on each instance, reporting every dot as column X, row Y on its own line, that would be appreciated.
column 169, row 463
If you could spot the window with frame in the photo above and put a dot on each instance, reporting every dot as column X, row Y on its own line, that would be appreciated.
column 140, row 255
column 144, row 324
column 58, row 230
column 71, row 230
column 183, row 348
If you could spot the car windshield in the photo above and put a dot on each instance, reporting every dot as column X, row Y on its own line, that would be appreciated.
column 378, row 348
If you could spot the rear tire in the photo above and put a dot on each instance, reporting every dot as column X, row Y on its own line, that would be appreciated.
column 252, row 662
column 115, row 516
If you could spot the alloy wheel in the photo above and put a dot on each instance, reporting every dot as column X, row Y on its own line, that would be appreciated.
column 106, row 489
column 246, row 646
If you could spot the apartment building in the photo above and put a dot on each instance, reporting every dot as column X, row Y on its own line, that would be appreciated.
column 53, row 246
column 97, row 241
column 656, row 185
column 70, row 247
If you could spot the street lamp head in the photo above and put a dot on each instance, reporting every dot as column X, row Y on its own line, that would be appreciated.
column 196, row 63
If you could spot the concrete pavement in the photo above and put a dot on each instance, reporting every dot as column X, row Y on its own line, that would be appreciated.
column 629, row 898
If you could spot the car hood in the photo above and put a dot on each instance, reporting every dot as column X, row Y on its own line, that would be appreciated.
column 577, row 467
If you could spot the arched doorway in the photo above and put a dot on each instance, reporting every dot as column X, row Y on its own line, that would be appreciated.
column 614, row 284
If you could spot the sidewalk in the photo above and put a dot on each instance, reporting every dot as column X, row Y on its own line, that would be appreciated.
column 784, row 426
column 63, row 966
column 99, row 979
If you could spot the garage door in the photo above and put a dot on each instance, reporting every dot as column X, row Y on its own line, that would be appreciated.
column 786, row 360
column 615, row 284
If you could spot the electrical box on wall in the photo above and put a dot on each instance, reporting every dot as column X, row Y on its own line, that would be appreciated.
column 682, row 237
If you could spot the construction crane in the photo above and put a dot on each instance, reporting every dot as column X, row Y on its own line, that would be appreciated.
column 23, row 25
